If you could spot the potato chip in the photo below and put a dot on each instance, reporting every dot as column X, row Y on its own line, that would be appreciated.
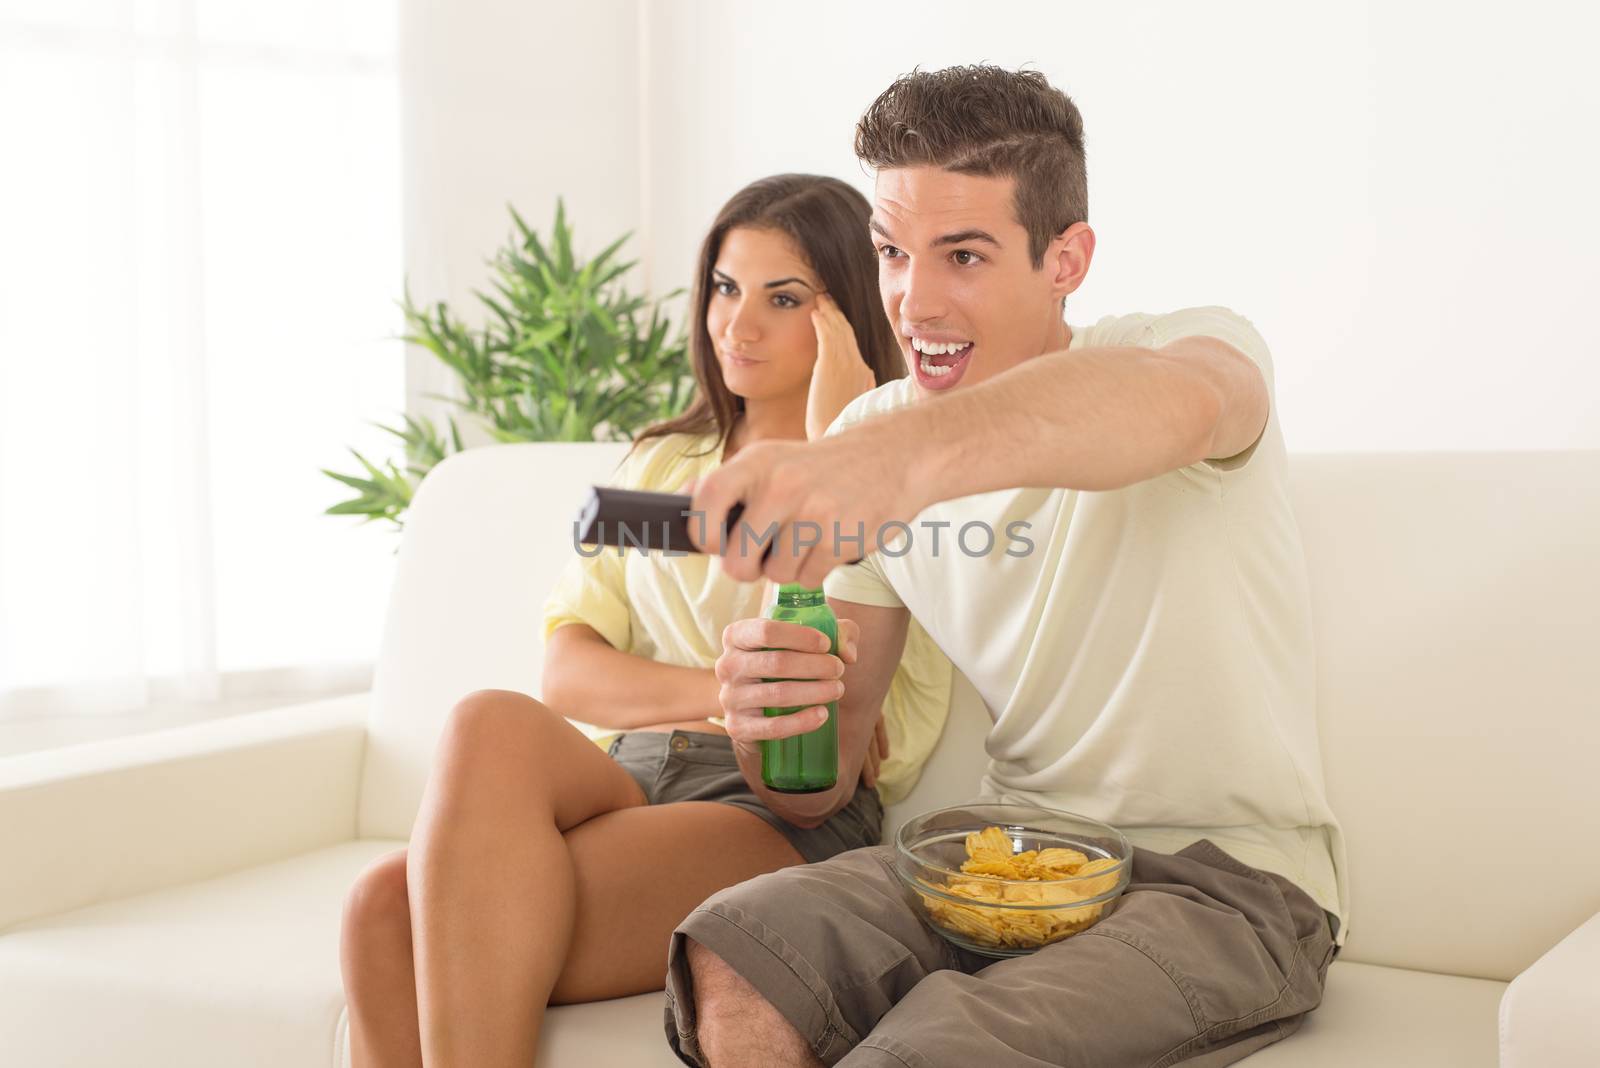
column 1104, row 884
column 1063, row 860
column 1002, row 868
column 991, row 842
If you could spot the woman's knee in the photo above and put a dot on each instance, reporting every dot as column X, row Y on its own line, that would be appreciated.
column 378, row 902
column 486, row 724
column 493, row 710
column 505, row 754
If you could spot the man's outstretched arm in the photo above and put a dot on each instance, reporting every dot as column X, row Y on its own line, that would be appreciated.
column 1092, row 419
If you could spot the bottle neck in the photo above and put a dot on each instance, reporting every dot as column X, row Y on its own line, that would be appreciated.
column 794, row 595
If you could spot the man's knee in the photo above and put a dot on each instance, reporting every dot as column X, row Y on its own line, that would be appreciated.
column 717, row 987
column 734, row 1022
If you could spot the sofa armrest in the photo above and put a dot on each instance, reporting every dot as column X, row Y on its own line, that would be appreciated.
column 1550, row 1014
column 106, row 819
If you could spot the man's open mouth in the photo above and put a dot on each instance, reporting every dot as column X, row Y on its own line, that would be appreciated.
column 938, row 359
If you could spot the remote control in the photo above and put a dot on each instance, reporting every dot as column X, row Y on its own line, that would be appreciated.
column 646, row 520
column 641, row 519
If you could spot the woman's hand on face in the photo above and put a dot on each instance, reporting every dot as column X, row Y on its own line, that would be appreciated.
column 840, row 374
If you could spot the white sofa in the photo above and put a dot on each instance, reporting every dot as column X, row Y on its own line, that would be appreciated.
column 173, row 899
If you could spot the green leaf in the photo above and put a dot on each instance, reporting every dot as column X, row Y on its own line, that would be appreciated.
column 565, row 353
column 349, row 480
column 562, row 237
column 362, row 507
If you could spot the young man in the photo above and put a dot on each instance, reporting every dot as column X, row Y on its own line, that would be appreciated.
column 1139, row 629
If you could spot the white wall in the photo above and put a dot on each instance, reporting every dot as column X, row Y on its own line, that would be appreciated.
column 1401, row 196
column 508, row 101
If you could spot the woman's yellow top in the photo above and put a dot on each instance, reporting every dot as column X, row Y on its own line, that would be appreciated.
column 674, row 609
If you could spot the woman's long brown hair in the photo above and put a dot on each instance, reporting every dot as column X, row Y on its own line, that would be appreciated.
column 827, row 220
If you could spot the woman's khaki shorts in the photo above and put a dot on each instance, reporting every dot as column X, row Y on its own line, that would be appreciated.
column 1203, row 960
column 701, row 766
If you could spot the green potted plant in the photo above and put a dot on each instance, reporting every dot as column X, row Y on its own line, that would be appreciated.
column 566, row 353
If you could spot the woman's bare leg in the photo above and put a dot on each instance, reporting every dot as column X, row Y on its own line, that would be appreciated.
column 616, row 938
column 687, row 852
column 640, row 871
column 491, row 882
column 380, row 985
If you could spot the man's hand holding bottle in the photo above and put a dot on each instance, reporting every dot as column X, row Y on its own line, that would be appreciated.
column 756, row 651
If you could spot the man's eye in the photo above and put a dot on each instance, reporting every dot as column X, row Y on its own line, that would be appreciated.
column 971, row 257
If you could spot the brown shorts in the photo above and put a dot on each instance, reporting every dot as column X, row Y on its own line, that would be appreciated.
column 1203, row 960
column 700, row 766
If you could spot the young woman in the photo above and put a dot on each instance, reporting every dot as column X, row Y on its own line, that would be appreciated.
column 544, row 869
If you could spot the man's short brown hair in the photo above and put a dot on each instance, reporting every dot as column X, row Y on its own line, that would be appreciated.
column 993, row 122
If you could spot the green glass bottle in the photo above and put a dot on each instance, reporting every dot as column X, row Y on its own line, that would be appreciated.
column 804, row 763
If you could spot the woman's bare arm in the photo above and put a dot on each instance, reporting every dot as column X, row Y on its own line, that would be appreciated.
column 585, row 678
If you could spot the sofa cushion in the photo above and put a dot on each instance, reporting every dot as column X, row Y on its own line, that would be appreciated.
column 1376, row 1016
column 242, row 970
column 1371, row 1015
column 624, row 1033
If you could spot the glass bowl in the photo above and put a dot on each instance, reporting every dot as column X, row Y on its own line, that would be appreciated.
column 1008, row 917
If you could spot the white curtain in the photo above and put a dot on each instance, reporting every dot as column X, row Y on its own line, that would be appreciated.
column 199, row 261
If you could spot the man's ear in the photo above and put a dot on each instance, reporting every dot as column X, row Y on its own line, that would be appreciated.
column 1068, row 257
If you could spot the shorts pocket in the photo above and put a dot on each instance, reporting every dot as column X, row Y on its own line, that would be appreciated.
column 642, row 761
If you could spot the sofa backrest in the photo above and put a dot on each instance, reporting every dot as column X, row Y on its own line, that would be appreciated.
column 1456, row 601
column 486, row 535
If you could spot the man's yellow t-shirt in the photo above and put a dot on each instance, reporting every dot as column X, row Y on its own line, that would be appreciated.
column 674, row 608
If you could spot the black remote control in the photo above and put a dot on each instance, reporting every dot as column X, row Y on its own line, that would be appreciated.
column 641, row 519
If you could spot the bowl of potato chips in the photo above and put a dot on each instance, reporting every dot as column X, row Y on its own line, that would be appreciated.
column 1003, row 879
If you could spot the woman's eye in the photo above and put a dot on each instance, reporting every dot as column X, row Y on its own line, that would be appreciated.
column 888, row 251
column 784, row 300
column 971, row 257
column 724, row 288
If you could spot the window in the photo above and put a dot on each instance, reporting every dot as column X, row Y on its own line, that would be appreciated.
column 200, row 253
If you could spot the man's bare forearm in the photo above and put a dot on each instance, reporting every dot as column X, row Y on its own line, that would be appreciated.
column 802, row 810
column 881, row 642
column 1091, row 419
column 812, row 810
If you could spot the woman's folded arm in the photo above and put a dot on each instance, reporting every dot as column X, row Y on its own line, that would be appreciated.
column 586, row 679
